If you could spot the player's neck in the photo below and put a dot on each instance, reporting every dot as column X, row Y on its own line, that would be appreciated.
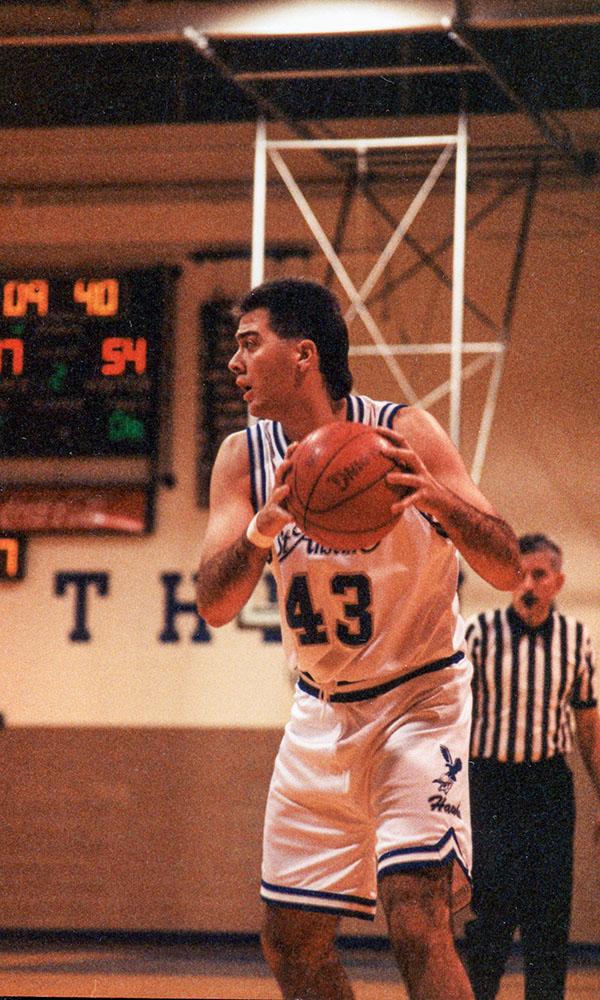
column 304, row 416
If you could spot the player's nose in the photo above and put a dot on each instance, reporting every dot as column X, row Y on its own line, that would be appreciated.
column 235, row 363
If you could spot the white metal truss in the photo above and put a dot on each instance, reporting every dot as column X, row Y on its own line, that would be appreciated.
column 452, row 144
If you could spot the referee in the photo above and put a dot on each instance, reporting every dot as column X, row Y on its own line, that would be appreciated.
column 533, row 676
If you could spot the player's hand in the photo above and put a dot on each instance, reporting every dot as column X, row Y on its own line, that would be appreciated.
column 410, row 474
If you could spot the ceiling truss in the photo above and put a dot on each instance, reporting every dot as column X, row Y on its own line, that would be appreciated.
column 206, row 27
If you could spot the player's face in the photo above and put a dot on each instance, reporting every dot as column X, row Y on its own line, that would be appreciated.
column 540, row 584
column 264, row 366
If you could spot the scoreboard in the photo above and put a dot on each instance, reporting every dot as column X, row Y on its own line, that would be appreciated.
column 80, row 361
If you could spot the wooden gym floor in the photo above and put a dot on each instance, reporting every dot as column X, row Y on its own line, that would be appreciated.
column 204, row 969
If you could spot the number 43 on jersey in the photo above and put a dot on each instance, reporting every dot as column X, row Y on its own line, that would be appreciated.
column 353, row 627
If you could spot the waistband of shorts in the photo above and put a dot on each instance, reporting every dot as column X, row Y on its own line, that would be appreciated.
column 373, row 692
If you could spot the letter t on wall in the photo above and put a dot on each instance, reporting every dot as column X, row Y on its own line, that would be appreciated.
column 81, row 582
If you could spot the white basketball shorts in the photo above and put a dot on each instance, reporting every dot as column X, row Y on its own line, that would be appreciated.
column 361, row 789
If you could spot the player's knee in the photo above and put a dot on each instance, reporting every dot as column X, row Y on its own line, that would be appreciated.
column 290, row 943
column 418, row 914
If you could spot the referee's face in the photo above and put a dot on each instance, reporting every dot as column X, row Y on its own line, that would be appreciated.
column 540, row 584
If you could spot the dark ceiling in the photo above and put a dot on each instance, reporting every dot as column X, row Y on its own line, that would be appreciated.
column 65, row 78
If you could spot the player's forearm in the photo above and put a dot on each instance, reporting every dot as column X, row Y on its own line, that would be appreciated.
column 486, row 542
column 225, row 581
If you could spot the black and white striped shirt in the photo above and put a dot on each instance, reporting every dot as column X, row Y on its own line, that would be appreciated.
column 526, row 683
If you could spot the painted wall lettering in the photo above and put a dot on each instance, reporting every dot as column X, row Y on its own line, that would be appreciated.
column 81, row 582
column 174, row 607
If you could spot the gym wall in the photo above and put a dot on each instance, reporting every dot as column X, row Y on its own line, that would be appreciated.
column 136, row 759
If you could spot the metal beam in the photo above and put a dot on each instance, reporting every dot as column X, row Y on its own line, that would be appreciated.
column 137, row 21
column 491, row 400
column 584, row 160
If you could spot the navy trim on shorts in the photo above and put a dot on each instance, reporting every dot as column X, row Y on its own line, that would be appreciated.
column 412, row 863
column 317, row 895
column 374, row 692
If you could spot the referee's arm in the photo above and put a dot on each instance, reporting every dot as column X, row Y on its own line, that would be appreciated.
column 587, row 722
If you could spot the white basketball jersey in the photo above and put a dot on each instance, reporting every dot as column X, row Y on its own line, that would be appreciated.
column 364, row 615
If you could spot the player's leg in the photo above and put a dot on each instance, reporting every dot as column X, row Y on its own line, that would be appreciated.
column 300, row 949
column 417, row 908
column 318, row 850
column 420, row 794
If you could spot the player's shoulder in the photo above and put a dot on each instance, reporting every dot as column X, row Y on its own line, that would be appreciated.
column 233, row 450
column 415, row 418
column 253, row 445
column 427, row 436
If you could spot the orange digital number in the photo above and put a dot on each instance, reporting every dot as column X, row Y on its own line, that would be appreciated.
column 10, row 549
column 19, row 295
column 15, row 346
column 100, row 296
column 118, row 352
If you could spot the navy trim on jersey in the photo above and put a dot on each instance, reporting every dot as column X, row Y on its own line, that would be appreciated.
column 252, row 463
column 434, row 524
column 374, row 692
column 484, row 682
column 263, row 465
column 281, row 442
column 388, row 413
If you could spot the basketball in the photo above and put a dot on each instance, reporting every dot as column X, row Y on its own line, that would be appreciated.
column 338, row 493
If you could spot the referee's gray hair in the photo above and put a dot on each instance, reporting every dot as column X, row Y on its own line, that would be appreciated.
column 539, row 542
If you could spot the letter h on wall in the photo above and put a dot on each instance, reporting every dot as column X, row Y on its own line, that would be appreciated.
column 12, row 556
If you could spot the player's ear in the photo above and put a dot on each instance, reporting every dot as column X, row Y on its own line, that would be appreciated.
column 307, row 355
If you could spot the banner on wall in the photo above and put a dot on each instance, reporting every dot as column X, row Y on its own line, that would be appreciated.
column 32, row 509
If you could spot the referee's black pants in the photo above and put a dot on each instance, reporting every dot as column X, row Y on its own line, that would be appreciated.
column 523, row 818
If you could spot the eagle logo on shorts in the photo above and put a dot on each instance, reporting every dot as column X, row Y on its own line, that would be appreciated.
column 446, row 781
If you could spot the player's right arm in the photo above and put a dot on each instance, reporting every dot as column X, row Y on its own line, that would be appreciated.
column 230, row 565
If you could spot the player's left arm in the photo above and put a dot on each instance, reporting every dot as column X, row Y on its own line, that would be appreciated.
column 430, row 464
column 587, row 724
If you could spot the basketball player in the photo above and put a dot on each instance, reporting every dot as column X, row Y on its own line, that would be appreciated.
column 370, row 783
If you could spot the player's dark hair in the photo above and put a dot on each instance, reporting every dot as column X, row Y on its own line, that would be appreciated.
column 539, row 542
column 300, row 308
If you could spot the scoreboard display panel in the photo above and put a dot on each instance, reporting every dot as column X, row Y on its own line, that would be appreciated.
column 80, row 362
